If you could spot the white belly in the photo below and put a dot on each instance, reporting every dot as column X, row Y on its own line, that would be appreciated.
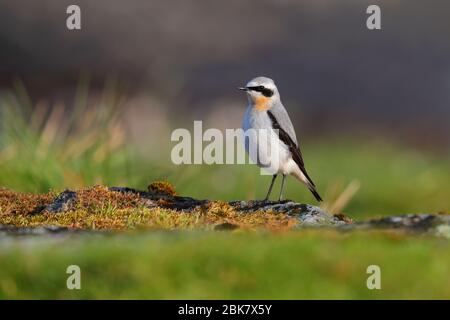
column 264, row 146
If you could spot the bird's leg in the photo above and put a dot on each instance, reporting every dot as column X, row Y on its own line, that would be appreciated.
column 270, row 188
column 282, row 187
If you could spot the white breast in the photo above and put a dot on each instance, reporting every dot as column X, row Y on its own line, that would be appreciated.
column 263, row 145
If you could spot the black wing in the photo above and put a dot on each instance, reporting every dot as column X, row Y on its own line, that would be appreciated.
column 295, row 151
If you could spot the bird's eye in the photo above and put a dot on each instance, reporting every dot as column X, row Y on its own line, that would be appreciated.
column 266, row 92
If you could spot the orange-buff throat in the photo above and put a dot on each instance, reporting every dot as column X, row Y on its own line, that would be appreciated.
column 261, row 103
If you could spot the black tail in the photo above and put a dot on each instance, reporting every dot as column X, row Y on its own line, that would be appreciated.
column 314, row 192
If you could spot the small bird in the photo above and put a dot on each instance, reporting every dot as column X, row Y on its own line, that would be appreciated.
column 265, row 111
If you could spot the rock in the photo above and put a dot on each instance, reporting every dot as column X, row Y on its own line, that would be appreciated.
column 163, row 200
column 435, row 224
column 63, row 202
column 8, row 230
column 123, row 189
column 307, row 214
column 442, row 230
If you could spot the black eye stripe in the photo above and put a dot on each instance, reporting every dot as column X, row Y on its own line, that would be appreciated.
column 256, row 88
column 265, row 91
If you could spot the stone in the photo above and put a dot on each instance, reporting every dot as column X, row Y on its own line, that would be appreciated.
column 306, row 214
column 63, row 202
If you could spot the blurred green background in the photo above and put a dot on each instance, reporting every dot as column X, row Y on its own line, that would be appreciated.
column 97, row 106
column 301, row 265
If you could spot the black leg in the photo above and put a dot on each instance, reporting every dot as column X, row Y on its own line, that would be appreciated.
column 270, row 188
column 282, row 187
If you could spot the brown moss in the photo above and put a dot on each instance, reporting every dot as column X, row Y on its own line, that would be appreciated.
column 100, row 208
column 219, row 212
column 162, row 187
column 17, row 203
column 98, row 197
column 220, row 208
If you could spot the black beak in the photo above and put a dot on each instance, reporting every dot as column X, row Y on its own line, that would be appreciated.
column 243, row 88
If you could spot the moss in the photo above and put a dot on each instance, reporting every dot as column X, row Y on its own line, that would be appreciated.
column 17, row 203
column 219, row 208
column 99, row 208
column 97, row 197
column 107, row 217
column 162, row 187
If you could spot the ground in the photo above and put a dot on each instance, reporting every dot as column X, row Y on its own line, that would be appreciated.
column 99, row 208
column 134, row 244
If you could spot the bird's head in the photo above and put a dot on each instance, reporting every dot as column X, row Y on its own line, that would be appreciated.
column 262, row 93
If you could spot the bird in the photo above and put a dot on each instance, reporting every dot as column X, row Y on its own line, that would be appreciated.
column 265, row 111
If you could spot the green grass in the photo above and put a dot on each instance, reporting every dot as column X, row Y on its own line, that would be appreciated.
column 207, row 265
column 61, row 146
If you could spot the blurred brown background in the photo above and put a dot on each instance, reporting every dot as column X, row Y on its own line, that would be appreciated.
column 181, row 60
